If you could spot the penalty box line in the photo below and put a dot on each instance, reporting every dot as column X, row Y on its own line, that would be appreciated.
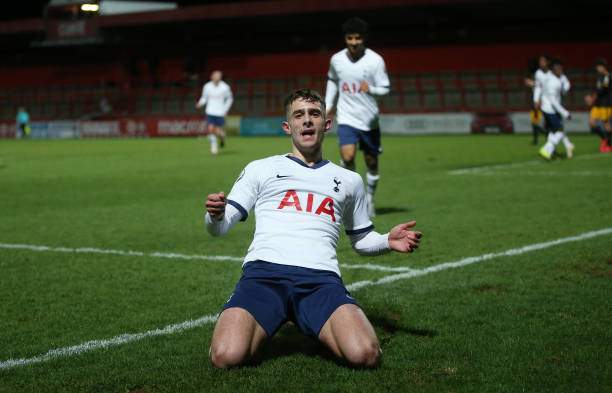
column 208, row 319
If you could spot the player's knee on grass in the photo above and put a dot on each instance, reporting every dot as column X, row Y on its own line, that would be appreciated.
column 227, row 354
column 366, row 354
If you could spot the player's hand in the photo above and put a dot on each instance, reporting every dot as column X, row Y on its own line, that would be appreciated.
column 402, row 239
column 529, row 82
column 198, row 106
column 215, row 205
column 588, row 100
column 364, row 87
column 569, row 116
column 536, row 105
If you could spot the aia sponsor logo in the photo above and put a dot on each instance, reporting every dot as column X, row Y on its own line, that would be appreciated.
column 291, row 200
column 350, row 88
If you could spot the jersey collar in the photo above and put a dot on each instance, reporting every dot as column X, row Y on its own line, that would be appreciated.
column 317, row 164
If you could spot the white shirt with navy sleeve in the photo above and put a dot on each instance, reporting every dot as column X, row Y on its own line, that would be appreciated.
column 300, row 210
column 354, row 108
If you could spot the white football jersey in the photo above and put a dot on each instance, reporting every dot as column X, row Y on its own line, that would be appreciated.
column 299, row 210
column 358, row 110
column 218, row 98
column 553, row 88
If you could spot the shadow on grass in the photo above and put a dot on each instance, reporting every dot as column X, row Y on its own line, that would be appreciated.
column 381, row 211
column 291, row 341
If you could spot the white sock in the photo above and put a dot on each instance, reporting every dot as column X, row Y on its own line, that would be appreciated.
column 549, row 146
column 371, row 182
column 566, row 142
column 558, row 137
column 213, row 143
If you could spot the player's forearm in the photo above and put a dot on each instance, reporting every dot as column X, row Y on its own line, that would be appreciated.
column 371, row 243
column 379, row 90
column 221, row 227
column 330, row 94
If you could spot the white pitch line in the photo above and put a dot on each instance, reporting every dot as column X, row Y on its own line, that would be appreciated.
column 380, row 268
column 93, row 250
column 206, row 319
column 542, row 173
column 485, row 168
column 471, row 260
column 172, row 255
column 112, row 342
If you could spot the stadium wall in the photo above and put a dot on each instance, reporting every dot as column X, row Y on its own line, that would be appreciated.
column 459, row 123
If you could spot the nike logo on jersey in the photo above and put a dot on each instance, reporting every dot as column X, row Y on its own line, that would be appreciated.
column 282, row 176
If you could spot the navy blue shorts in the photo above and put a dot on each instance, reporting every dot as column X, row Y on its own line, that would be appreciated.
column 553, row 122
column 218, row 121
column 275, row 293
column 369, row 141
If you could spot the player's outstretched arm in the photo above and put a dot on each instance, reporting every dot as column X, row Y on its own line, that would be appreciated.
column 403, row 239
column 219, row 216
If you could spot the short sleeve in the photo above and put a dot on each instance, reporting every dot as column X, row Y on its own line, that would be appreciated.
column 245, row 191
column 381, row 78
column 356, row 219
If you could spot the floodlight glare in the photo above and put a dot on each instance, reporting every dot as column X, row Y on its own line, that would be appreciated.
column 90, row 7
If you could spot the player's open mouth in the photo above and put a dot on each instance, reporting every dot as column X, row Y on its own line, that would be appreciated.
column 308, row 132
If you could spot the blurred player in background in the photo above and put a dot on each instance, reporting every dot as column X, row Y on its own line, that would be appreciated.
column 22, row 122
column 554, row 85
column 535, row 83
column 291, row 271
column 218, row 98
column 601, row 106
column 358, row 74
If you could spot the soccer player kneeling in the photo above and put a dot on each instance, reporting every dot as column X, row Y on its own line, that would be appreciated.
column 291, row 272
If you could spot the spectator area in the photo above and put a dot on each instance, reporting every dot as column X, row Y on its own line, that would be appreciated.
column 410, row 93
column 482, row 78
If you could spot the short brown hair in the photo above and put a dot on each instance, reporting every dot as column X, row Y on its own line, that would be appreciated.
column 307, row 95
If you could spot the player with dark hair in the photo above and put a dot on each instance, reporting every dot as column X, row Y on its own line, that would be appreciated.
column 357, row 75
column 601, row 106
column 290, row 272
column 554, row 86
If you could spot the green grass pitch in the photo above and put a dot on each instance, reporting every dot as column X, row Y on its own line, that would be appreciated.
column 540, row 321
